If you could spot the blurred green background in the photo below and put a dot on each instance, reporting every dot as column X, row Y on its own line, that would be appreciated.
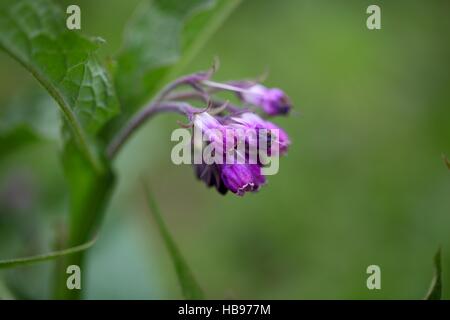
column 363, row 183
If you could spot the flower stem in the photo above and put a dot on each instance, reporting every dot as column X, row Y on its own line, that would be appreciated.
column 156, row 106
column 159, row 104
column 141, row 117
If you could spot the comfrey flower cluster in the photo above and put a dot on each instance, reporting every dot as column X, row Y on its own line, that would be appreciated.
column 232, row 146
column 235, row 150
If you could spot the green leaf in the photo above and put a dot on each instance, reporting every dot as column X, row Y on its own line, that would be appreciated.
column 34, row 33
column 435, row 291
column 12, row 263
column 163, row 34
column 189, row 286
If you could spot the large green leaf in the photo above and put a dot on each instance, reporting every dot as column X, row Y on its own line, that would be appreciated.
column 161, row 35
column 34, row 33
column 189, row 286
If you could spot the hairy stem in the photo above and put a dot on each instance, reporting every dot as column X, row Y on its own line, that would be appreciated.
column 140, row 118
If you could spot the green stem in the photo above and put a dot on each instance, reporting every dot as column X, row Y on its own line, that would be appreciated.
column 16, row 262
column 78, row 233
column 90, row 194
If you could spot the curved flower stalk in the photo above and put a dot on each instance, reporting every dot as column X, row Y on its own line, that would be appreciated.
column 240, row 139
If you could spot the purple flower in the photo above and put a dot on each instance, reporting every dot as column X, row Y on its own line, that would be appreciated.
column 242, row 178
column 253, row 121
column 209, row 126
column 273, row 101
column 237, row 178
column 211, row 176
column 218, row 135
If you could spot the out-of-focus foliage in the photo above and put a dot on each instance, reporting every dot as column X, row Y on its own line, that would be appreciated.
column 155, row 39
column 189, row 286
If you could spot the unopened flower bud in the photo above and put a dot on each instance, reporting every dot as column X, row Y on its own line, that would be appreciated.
column 273, row 101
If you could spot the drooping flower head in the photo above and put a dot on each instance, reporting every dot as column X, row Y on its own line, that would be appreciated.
column 236, row 177
column 224, row 132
